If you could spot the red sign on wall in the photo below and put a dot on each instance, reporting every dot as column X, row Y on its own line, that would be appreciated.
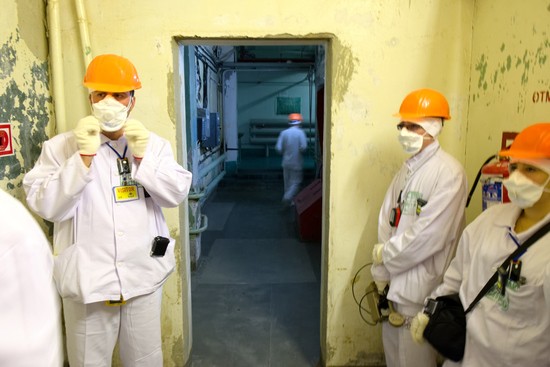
column 6, row 143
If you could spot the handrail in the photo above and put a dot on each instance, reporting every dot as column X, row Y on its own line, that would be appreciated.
column 204, row 219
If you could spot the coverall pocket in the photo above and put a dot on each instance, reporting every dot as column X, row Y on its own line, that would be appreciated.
column 65, row 273
column 170, row 260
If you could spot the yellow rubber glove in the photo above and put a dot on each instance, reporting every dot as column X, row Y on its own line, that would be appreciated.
column 377, row 254
column 418, row 324
column 137, row 136
column 87, row 135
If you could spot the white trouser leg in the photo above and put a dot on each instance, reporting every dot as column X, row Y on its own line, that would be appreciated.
column 140, row 340
column 293, row 179
column 92, row 332
column 401, row 351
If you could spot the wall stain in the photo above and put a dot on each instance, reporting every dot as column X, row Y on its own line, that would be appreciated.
column 28, row 112
column 344, row 63
column 8, row 57
column 481, row 66
column 26, row 104
column 177, row 351
column 525, row 65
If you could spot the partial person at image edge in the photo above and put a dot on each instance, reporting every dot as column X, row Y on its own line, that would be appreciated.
column 510, row 326
column 30, row 309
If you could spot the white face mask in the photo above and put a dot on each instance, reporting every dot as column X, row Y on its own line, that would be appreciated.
column 522, row 191
column 411, row 142
column 111, row 113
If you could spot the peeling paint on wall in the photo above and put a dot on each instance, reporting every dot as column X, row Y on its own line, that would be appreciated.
column 26, row 104
column 7, row 57
column 481, row 67
column 493, row 74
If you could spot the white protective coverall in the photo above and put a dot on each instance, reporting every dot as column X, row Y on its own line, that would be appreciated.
column 291, row 143
column 417, row 252
column 30, row 308
column 514, row 331
column 102, row 247
column 113, row 240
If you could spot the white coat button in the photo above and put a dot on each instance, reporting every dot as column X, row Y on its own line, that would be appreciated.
column 120, row 234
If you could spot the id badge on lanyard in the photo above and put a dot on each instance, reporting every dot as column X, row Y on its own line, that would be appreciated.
column 128, row 188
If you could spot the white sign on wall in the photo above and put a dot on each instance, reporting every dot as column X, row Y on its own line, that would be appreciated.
column 6, row 141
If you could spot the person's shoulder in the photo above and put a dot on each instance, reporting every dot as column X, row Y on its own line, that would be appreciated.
column 447, row 161
column 502, row 213
column 157, row 138
column 60, row 141
column 61, row 145
column 61, row 137
column 18, row 220
column 157, row 141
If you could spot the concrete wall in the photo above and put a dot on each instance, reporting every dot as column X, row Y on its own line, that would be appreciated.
column 488, row 57
column 257, row 94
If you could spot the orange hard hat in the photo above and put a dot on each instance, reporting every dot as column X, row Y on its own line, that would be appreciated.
column 111, row 73
column 295, row 117
column 424, row 103
column 532, row 142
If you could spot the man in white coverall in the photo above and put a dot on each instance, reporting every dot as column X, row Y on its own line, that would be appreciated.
column 103, row 185
column 291, row 143
column 419, row 223
column 510, row 328
column 30, row 309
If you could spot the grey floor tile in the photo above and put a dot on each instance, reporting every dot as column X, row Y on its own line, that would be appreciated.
column 217, row 214
column 257, row 261
column 255, row 294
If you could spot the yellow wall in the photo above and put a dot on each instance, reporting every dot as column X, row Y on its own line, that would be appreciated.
column 510, row 75
column 377, row 51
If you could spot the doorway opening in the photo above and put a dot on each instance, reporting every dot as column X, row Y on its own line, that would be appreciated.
column 255, row 262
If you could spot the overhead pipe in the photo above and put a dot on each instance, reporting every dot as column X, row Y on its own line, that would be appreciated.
column 54, row 32
column 84, row 34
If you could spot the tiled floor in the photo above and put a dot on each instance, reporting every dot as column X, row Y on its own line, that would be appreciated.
column 255, row 295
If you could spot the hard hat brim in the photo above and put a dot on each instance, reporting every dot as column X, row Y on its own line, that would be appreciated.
column 408, row 116
column 522, row 154
column 110, row 87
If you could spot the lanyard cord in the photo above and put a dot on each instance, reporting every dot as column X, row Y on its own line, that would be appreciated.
column 516, row 242
column 118, row 155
